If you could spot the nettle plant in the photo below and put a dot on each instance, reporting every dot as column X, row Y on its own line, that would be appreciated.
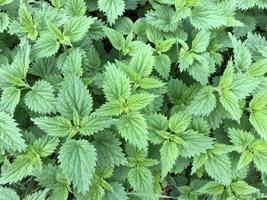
column 133, row 99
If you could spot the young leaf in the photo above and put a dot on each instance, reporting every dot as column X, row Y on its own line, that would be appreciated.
column 78, row 160
column 26, row 22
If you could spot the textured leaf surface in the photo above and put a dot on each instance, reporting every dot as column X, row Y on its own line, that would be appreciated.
column 10, row 135
column 78, row 160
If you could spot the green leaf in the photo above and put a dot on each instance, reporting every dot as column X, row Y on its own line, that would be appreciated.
column 194, row 143
column 39, row 195
column 242, row 56
column 73, row 64
column 77, row 27
column 21, row 61
column 244, row 85
column 113, row 108
column 20, row 168
column 245, row 159
column 201, row 41
column 168, row 155
column 142, row 63
column 94, row 123
column 203, row 103
column 231, row 104
column 212, row 188
column 10, row 135
column 198, row 162
column 258, row 68
column 162, row 65
column 141, row 180
column 78, row 159
column 45, row 146
column 116, row 84
column 259, row 101
column 219, row 168
column 112, row 9
column 149, row 83
column 4, row 2
column 227, row 77
column 260, row 155
column 46, row 45
column 163, row 18
column 8, row 194
column 108, row 149
column 258, row 119
column 60, row 192
column 185, row 59
column 242, row 188
column 207, row 16
column 165, row 45
column 240, row 139
column 117, row 192
column 133, row 128
column 201, row 69
column 4, row 21
column 55, row 126
column 26, row 22
column 74, row 96
column 179, row 122
column 10, row 99
column 116, row 38
column 75, row 7
column 139, row 101
column 41, row 98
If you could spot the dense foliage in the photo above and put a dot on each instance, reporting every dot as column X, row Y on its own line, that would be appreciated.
column 133, row 99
